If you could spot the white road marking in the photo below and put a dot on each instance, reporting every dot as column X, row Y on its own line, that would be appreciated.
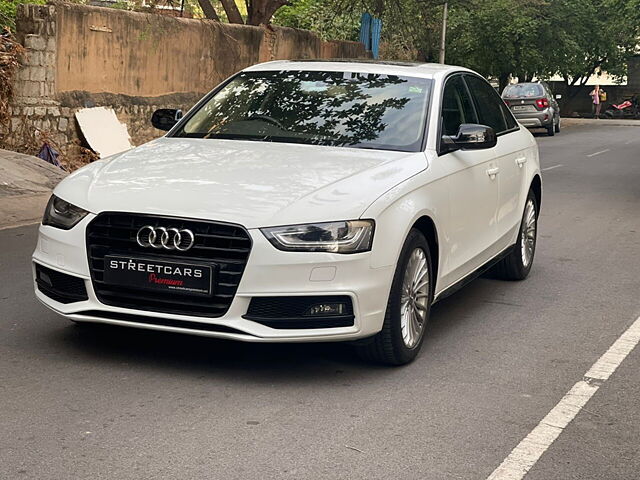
column 552, row 167
column 530, row 449
column 598, row 153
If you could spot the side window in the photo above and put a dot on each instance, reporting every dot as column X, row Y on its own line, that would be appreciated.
column 456, row 106
column 488, row 104
column 508, row 116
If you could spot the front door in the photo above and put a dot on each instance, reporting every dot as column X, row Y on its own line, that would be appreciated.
column 473, row 189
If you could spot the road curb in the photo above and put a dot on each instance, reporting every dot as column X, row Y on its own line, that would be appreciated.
column 20, row 210
column 570, row 122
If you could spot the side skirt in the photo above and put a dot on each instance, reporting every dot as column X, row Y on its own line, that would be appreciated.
column 473, row 275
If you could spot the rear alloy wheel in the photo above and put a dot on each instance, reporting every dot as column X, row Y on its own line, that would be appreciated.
column 408, row 307
column 517, row 265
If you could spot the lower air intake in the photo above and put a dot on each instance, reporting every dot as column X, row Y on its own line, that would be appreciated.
column 59, row 286
column 301, row 312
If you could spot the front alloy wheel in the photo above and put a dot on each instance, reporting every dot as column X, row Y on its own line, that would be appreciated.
column 415, row 295
column 408, row 308
column 528, row 233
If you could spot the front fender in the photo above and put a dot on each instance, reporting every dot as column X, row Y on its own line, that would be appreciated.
column 398, row 210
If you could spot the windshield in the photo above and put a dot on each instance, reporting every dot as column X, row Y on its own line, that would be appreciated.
column 521, row 90
column 359, row 110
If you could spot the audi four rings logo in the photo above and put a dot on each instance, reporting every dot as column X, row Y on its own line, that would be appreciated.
column 167, row 238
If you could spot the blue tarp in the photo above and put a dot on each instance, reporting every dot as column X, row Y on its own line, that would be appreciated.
column 370, row 29
column 49, row 154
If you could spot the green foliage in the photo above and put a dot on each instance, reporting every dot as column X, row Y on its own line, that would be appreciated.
column 541, row 38
column 8, row 10
column 498, row 38
column 501, row 37
column 597, row 35
column 406, row 32
column 321, row 16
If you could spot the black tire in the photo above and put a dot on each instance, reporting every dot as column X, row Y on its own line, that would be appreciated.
column 557, row 126
column 512, row 266
column 550, row 130
column 387, row 346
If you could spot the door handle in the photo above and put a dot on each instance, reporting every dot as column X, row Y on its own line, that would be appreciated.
column 492, row 172
column 520, row 161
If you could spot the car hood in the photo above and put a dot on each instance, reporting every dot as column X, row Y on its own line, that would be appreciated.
column 254, row 184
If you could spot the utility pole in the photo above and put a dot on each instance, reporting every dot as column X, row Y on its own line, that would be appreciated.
column 444, row 32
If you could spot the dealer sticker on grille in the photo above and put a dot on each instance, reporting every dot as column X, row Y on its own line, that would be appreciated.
column 162, row 276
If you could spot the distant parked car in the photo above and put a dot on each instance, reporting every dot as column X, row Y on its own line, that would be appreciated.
column 533, row 105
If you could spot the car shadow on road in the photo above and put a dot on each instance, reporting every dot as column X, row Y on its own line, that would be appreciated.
column 106, row 345
column 539, row 133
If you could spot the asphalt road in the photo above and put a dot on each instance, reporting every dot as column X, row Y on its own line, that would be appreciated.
column 110, row 403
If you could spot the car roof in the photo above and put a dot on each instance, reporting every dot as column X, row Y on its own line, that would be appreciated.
column 409, row 69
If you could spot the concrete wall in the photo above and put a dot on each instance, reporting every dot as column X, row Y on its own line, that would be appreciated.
column 138, row 54
column 633, row 73
column 81, row 56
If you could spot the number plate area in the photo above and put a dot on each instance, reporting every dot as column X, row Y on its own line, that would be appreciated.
column 523, row 108
column 159, row 275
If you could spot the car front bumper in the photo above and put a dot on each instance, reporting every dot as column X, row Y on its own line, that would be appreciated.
column 268, row 272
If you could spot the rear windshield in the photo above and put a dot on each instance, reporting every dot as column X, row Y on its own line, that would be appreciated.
column 351, row 109
column 523, row 90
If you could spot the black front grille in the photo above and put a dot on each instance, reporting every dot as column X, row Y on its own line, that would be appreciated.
column 292, row 312
column 59, row 286
column 225, row 246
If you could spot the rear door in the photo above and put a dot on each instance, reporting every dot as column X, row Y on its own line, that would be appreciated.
column 510, row 155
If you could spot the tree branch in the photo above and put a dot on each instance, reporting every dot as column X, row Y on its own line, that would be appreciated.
column 260, row 11
column 208, row 10
column 231, row 9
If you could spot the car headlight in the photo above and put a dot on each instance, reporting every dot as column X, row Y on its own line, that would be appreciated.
column 337, row 237
column 61, row 214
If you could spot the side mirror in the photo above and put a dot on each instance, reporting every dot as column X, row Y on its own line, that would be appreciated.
column 558, row 97
column 471, row 136
column 165, row 118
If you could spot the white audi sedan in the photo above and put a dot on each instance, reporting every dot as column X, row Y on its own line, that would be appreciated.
column 300, row 201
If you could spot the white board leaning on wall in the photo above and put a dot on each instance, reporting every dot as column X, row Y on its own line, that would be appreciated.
column 104, row 133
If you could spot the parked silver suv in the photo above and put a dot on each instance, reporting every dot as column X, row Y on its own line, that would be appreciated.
column 533, row 105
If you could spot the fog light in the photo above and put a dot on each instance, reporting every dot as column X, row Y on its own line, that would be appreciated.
column 326, row 309
column 44, row 277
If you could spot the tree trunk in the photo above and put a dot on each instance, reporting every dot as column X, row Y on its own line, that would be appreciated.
column 208, row 10
column 378, row 9
column 260, row 11
column 503, row 80
column 231, row 9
